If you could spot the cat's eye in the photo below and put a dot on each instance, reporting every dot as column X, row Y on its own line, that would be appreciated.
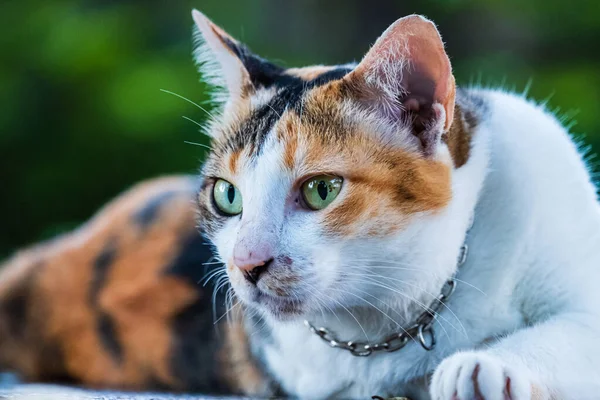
column 227, row 197
column 318, row 192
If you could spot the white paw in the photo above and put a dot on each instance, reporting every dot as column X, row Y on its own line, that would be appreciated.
column 478, row 376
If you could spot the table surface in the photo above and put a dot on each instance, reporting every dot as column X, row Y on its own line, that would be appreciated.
column 43, row 391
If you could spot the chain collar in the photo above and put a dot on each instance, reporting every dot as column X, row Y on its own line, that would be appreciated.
column 421, row 331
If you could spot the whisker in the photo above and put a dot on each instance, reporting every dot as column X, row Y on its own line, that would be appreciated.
column 383, row 303
column 391, row 308
column 192, row 121
column 221, row 283
column 371, row 262
column 317, row 297
column 254, row 328
column 227, row 312
column 228, row 302
column 418, row 287
column 197, row 144
column 211, row 275
column 189, row 101
column 349, row 312
column 423, row 306
column 275, row 111
column 371, row 304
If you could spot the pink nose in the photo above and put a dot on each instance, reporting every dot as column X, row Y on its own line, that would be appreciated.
column 248, row 257
column 252, row 261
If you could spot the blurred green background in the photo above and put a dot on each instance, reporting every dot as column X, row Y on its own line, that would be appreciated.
column 82, row 115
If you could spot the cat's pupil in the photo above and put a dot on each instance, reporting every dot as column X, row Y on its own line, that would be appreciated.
column 322, row 190
column 231, row 194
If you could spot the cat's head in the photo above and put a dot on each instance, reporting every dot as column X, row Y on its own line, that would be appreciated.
column 332, row 187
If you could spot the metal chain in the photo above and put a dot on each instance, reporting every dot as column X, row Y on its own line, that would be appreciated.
column 421, row 331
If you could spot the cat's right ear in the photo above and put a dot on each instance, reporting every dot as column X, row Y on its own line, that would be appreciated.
column 407, row 79
column 227, row 64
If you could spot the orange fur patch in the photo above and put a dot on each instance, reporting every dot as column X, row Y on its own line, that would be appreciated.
column 290, row 135
column 137, row 296
column 238, row 366
column 311, row 72
column 383, row 185
column 233, row 161
column 458, row 139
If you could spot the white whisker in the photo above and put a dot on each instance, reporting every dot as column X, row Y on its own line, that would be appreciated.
column 212, row 275
column 418, row 287
column 189, row 101
column 197, row 144
column 371, row 304
column 423, row 306
column 373, row 264
column 349, row 312
column 221, row 283
column 227, row 312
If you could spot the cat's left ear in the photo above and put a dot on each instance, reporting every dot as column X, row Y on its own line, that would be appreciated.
column 226, row 63
column 406, row 77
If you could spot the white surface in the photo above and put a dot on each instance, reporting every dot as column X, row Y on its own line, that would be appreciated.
column 40, row 391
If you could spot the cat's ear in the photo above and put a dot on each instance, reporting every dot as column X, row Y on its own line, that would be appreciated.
column 406, row 76
column 226, row 63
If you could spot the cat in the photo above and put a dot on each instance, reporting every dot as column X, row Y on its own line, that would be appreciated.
column 456, row 227
column 122, row 302
column 342, row 197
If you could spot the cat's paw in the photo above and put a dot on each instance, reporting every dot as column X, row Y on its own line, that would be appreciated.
column 478, row 376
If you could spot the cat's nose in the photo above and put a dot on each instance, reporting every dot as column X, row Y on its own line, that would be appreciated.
column 252, row 263
column 253, row 273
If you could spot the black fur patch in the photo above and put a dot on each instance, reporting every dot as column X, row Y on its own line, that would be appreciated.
column 54, row 366
column 15, row 306
column 472, row 105
column 194, row 336
column 253, row 131
column 194, row 348
column 146, row 215
column 260, row 337
column 194, row 251
column 102, row 265
column 263, row 74
column 108, row 336
column 105, row 324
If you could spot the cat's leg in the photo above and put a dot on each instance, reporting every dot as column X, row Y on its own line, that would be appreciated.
column 557, row 359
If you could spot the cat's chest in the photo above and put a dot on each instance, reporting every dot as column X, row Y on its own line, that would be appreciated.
column 307, row 367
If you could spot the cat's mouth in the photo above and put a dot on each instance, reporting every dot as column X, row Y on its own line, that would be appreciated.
column 280, row 307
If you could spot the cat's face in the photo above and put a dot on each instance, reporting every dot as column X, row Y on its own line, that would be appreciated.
column 326, row 184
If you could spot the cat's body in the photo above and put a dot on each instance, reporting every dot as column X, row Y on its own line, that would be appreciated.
column 419, row 160
column 343, row 195
column 528, row 265
column 120, row 302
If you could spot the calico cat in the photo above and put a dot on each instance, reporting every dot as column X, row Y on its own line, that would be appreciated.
column 444, row 239
column 340, row 197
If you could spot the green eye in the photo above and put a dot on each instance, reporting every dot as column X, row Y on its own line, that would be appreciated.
column 227, row 197
column 320, row 191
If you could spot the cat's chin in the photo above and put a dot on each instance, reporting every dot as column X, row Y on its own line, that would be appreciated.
column 279, row 308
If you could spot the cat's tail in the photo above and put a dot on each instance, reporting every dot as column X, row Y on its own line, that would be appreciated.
column 121, row 302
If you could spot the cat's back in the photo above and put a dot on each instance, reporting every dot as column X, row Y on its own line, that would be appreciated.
column 538, row 199
column 119, row 302
column 528, row 144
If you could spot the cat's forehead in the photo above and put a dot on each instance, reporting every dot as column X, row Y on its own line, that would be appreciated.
column 290, row 100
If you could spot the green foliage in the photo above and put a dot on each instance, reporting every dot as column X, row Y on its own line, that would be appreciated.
column 83, row 116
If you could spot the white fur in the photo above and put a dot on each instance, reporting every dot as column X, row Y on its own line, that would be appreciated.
column 528, row 307
column 526, row 304
column 219, row 67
